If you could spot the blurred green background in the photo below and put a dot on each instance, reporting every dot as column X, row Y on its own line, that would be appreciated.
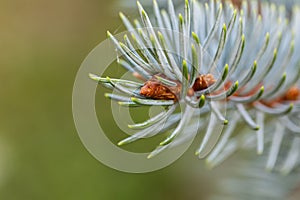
column 41, row 156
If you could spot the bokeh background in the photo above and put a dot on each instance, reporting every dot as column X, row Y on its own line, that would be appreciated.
column 42, row 44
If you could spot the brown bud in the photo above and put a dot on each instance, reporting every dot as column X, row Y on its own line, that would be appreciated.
column 203, row 81
column 154, row 89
